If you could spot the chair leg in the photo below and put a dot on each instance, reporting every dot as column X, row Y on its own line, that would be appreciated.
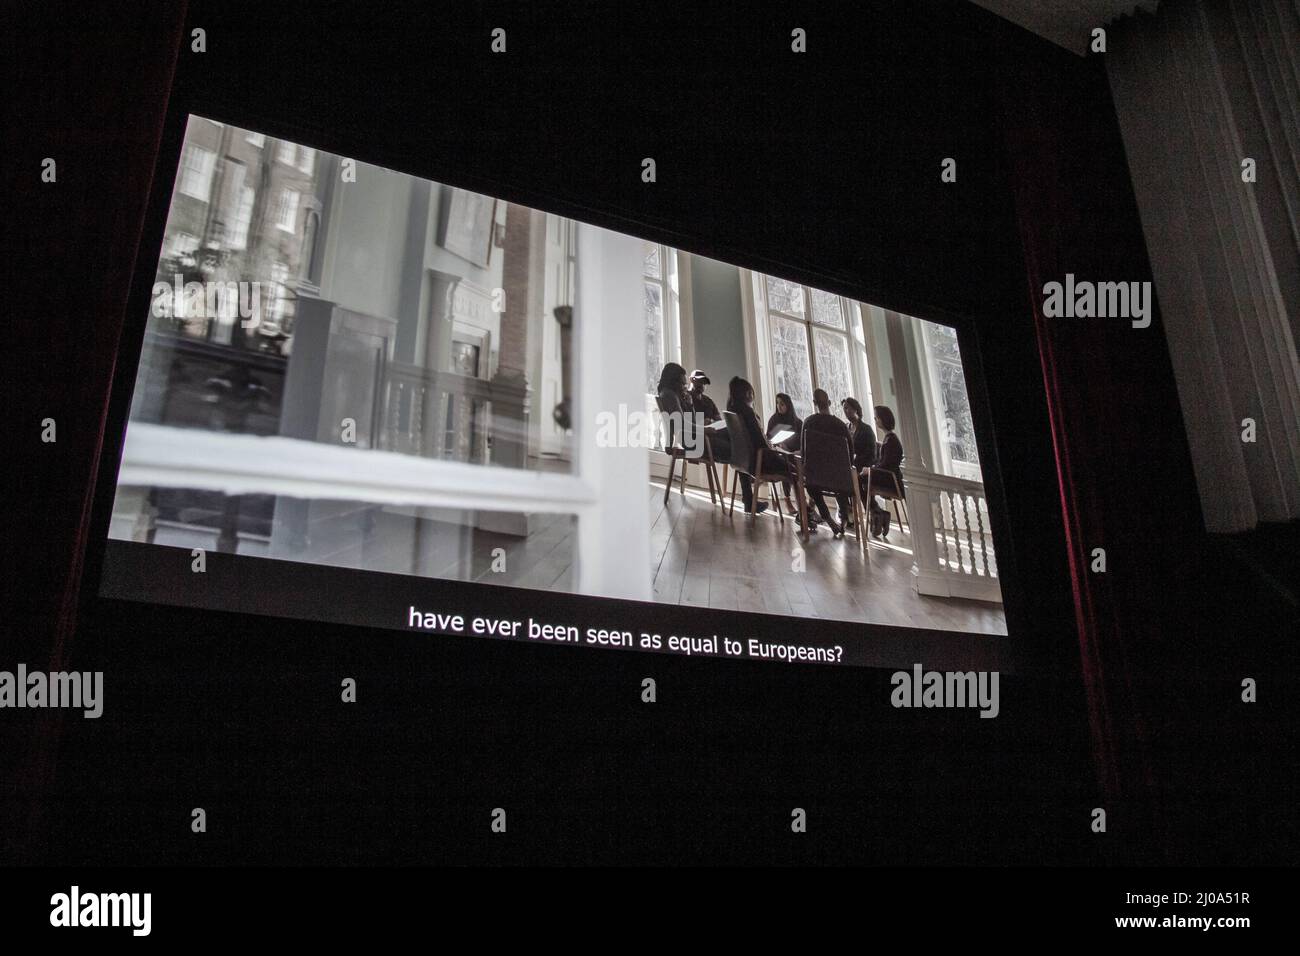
column 906, row 516
column 777, row 498
column 685, row 463
column 857, row 515
column 733, row 494
column 898, row 517
column 668, row 488
column 711, row 473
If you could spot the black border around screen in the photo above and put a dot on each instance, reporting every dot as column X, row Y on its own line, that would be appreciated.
column 892, row 645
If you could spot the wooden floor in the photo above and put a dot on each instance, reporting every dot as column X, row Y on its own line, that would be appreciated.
column 702, row 558
column 699, row 557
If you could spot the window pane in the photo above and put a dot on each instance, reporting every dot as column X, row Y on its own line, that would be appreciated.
column 784, row 296
column 654, row 334
column 792, row 372
column 286, row 214
column 959, row 430
column 826, row 309
column 196, row 177
column 953, row 417
column 833, row 372
column 652, row 260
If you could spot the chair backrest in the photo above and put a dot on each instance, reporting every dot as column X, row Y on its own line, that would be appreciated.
column 827, row 462
column 742, row 449
column 666, row 424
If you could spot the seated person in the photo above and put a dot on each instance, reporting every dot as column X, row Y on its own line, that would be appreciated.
column 741, row 402
column 703, row 403
column 862, row 439
column 823, row 421
column 887, row 475
column 675, row 400
column 785, row 418
column 719, row 440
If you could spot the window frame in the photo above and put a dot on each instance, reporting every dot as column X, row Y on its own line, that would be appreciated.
column 852, row 335
column 671, row 348
column 971, row 471
column 282, row 205
column 206, row 171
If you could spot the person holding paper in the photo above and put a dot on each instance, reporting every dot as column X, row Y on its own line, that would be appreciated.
column 719, row 440
column 741, row 401
column 863, row 440
column 785, row 430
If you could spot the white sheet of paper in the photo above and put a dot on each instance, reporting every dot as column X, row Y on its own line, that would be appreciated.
column 781, row 436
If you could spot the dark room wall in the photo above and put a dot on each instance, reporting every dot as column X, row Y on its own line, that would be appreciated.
column 823, row 168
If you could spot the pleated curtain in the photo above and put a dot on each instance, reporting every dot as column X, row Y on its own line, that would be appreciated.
column 1200, row 88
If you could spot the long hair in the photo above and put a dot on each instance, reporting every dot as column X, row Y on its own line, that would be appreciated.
column 673, row 378
column 886, row 416
column 738, row 392
column 789, row 417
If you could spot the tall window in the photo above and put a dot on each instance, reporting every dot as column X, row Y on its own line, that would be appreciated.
column 662, row 312
column 812, row 345
column 949, row 402
column 286, row 211
column 196, row 175
column 243, row 216
column 279, row 296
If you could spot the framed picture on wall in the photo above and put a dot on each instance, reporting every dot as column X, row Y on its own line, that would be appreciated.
column 468, row 224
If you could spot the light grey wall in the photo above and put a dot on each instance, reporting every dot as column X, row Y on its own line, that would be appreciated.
column 366, row 242
column 719, row 323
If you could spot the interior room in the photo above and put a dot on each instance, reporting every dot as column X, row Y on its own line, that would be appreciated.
column 372, row 312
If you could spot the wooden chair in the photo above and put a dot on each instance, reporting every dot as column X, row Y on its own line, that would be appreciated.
column 828, row 466
column 748, row 460
column 677, row 452
column 894, row 494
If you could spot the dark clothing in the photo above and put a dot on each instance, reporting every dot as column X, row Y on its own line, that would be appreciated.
column 822, row 422
column 792, row 422
column 886, row 479
column 826, row 423
column 705, row 404
column 749, row 422
column 719, row 440
column 890, row 457
column 769, row 461
column 863, row 439
column 683, row 415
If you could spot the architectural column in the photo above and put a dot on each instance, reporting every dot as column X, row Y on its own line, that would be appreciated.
column 911, row 398
column 522, row 275
column 442, row 296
